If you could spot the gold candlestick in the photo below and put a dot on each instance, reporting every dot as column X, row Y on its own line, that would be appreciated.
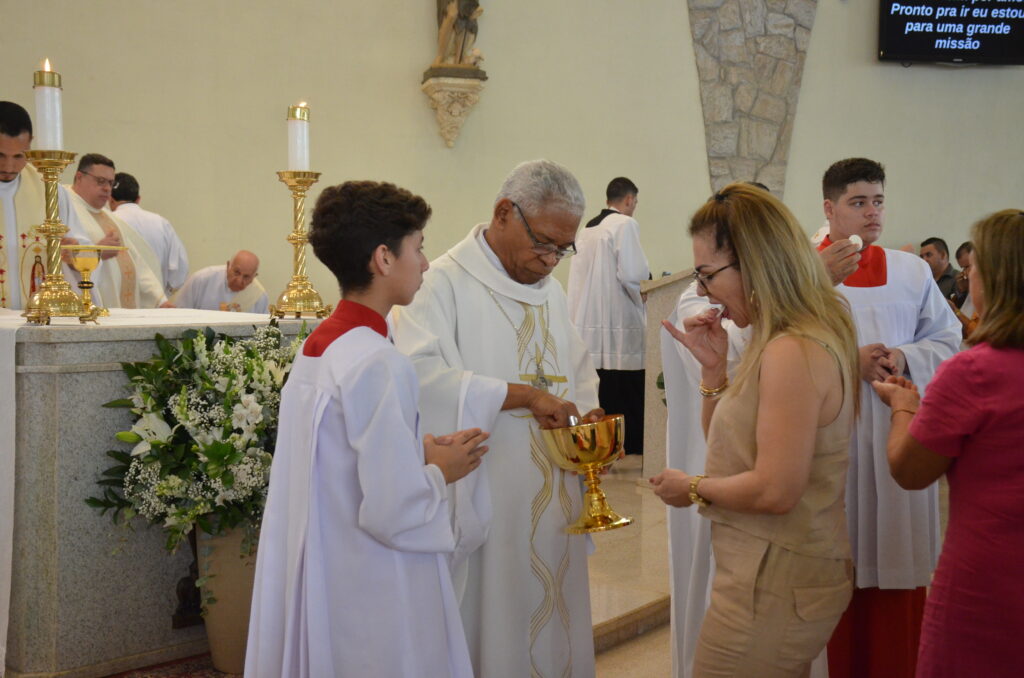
column 55, row 299
column 299, row 298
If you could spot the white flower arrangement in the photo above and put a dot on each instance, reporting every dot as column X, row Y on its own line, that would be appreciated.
column 206, row 421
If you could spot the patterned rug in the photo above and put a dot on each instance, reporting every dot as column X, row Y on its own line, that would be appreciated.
column 190, row 667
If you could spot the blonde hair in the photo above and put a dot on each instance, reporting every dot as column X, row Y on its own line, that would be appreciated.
column 784, row 280
column 999, row 255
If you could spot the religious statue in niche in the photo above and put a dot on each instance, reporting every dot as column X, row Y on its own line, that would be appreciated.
column 454, row 80
column 456, row 33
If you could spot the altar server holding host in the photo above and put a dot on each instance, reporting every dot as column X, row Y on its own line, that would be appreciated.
column 904, row 328
column 777, row 439
column 352, row 574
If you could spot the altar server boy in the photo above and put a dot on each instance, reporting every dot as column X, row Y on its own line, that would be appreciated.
column 352, row 574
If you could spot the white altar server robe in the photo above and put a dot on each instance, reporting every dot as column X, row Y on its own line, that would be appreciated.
column 161, row 236
column 525, row 595
column 690, row 558
column 604, row 292
column 352, row 575
column 895, row 532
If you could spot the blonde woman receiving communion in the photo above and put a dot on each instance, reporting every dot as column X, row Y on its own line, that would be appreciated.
column 777, row 439
column 352, row 575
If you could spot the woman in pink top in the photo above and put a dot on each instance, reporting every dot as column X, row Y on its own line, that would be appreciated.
column 968, row 426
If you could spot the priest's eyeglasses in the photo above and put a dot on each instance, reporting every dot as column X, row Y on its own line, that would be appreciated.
column 545, row 248
column 102, row 181
column 704, row 279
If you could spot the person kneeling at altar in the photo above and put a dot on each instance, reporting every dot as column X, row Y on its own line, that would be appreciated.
column 352, row 575
column 225, row 287
column 128, row 278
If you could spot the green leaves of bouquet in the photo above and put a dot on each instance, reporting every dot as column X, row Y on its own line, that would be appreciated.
column 206, row 413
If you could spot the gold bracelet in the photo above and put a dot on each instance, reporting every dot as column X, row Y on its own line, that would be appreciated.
column 902, row 409
column 712, row 392
column 695, row 498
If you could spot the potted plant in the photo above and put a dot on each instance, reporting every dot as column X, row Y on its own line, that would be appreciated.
column 205, row 410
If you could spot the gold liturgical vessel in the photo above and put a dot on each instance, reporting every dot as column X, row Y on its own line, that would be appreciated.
column 85, row 259
column 587, row 449
column 55, row 298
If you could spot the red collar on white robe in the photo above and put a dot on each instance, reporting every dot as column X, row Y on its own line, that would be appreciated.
column 871, row 271
column 348, row 316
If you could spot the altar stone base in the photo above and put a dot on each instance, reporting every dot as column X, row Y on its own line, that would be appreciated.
column 88, row 598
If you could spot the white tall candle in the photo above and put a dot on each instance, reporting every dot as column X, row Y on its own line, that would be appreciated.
column 298, row 138
column 49, row 123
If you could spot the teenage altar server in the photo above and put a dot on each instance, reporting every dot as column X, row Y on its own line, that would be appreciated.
column 352, row 574
column 904, row 328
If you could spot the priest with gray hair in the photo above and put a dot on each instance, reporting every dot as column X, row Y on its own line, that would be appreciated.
column 490, row 337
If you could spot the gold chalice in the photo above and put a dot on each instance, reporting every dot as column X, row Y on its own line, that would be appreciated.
column 85, row 259
column 588, row 449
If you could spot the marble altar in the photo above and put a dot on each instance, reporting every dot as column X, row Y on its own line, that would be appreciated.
column 87, row 598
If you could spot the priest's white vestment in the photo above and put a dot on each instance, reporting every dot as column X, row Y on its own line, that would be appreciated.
column 524, row 587
column 162, row 238
column 690, row 558
column 894, row 532
column 352, row 574
column 131, row 279
column 604, row 292
column 208, row 288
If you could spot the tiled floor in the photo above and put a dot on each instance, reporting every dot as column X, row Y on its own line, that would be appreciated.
column 629, row 586
column 629, row 568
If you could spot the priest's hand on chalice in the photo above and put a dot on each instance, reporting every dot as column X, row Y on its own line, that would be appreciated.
column 456, row 454
column 672, row 486
column 111, row 239
column 551, row 411
column 65, row 255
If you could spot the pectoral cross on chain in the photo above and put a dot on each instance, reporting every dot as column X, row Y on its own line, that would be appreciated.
column 541, row 380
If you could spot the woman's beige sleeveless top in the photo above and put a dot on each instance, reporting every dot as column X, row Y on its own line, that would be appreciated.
column 817, row 524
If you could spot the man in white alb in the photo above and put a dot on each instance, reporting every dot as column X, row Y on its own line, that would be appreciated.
column 904, row 328
column 606, row 307
column 154, row 229
column 226, row 287
column 490, row 337
column 22, row 209
column 128, row 278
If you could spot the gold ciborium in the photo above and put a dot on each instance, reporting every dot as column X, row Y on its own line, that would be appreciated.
column 85, row 259
column 588, row 449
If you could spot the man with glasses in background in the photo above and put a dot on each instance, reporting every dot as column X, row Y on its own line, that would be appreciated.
column 490, row 337
column 128, row 278
column 607, row 308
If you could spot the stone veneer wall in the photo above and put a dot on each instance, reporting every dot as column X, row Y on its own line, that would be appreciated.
column 750, row 60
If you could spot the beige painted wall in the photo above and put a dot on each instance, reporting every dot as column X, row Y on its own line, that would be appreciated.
column 190, row 97
column 950, row 137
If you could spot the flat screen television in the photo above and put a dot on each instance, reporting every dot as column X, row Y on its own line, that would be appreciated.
column 952, row 31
